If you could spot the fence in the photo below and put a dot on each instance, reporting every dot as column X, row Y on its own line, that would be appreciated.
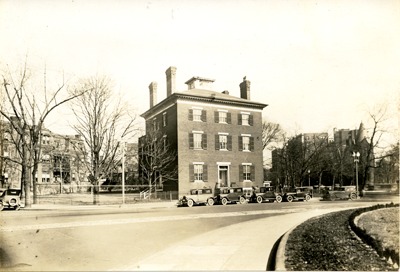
column 68, row 194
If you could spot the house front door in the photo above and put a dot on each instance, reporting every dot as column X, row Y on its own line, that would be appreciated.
column 223, row 175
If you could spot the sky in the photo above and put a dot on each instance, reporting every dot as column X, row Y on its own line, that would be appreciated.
column 318, row 65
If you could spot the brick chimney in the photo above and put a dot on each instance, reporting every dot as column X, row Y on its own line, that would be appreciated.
column 171, row 73
column 245, row 89
column 153, row 93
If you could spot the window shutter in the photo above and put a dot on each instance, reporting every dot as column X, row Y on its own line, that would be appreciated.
column 229, row 142
column 250, row 120
column 216, row 117
column 205, row 173
column 204, row 141
column 229, row 118
column 239, row 119
column 191, row 141
column 203, row 116
column 252, row 173
column 216, row 142
column 240, row 143
column 251, row 143
column 190, row 114
column 240, row 173
column 191, row 172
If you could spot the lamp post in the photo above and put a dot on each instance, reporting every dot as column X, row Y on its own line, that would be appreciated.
column 309, row 178
column 356, row 157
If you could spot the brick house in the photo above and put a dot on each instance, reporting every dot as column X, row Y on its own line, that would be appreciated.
column 217, row 136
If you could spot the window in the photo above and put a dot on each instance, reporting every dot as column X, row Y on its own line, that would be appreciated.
column 165, row 143
column 155, row 124
column 222, row 117
column 164, row 119
column 246, row 172
column 198, row 172
column 197, row 139
column 197, row 114
column 223, row 142
column 45, row 139
column 246, row 143
column 245, row 119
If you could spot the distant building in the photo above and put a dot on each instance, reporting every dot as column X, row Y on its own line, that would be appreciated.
column 217, row 136
column 61, row 159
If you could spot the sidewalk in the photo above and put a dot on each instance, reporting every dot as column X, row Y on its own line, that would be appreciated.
column 138, row 205
column 221, row 249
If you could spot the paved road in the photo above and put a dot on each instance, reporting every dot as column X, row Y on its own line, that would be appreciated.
column 235, row 237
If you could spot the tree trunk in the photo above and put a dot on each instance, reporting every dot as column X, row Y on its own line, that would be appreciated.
column 27, row 185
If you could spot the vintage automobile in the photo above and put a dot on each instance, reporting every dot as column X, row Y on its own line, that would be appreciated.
column 343, row 192
column 225, row 195
column 10, row 198
column 264, row 194
column 197, row 197
column 298, row 193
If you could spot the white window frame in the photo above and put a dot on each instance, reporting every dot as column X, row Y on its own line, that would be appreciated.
column 222, row 116
column 164, row 118
column 197, row 114
column 198, row 170
column 223, row 141
column 246, row 172
column 246, row 143
column 197, row 140
column 245, row 119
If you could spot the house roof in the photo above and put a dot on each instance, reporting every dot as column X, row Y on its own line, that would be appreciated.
column 206, row 96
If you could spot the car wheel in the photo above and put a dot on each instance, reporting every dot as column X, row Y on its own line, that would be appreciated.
column 190, row 203
column 242, row 200
column 278, row 198
column 289, row 198
column 259, row 199
column 1, row 206
column 308, row 197
column 353, row 196
column 210, row 202
column 13, row 202
column 224, row 201
column 17, row 207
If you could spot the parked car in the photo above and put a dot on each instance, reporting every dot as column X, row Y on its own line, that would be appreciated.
column 343, row 192
column 265, row 194
column 225, row 195
column 197, row 197
column 10, row 198
column 298, row 193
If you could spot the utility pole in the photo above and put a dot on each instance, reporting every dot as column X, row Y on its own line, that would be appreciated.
column 123, row 172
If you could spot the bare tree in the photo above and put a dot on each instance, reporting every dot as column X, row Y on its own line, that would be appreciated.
column 373, row 147
column 271, row 132
column 26, row 108
column 156, row 158
column 103, row 122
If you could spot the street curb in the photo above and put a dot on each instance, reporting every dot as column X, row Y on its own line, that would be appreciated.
column 280, row 253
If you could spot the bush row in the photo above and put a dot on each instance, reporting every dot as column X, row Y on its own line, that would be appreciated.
column 383, row 252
